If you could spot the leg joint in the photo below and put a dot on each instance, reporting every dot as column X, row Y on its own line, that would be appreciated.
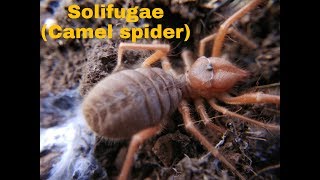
column 259, row 97
column 189, row 126
column 137, row 139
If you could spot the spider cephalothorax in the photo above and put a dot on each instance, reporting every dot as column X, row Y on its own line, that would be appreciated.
column 209, row 76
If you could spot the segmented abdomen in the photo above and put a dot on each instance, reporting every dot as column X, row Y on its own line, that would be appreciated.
column 130, row 100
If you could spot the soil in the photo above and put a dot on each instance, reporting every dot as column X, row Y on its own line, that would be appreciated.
column 174, row 153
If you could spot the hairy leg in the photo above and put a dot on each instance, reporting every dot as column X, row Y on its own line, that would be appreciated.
column 161, row 50
column 185, row 111
column 216, row 51
column 250, row 98
column 187, row 59
column 244, row 39
column 166, row 66
column 136, row 141
column 202, row 44
column 225, row 111
column 204, row 116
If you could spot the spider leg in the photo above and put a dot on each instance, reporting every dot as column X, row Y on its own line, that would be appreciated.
column 251, row 44
column 244, row 39
column 188, row 122
column 204, row 116
column 250, row 98
column 187, row 59
column 202, row 43
column 166, row 66
column 136, row 141
column 216, row 51
column 225, row 111
column 161, row 50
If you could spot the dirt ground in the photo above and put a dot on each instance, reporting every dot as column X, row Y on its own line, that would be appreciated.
column 174, row 153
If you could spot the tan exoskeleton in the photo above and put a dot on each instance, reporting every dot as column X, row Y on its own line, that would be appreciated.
column 134, row 103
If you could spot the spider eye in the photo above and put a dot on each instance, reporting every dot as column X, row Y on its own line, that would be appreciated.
column 209, row 67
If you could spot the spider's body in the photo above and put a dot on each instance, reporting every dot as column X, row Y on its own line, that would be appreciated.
column 148, row 95
column 128, row 101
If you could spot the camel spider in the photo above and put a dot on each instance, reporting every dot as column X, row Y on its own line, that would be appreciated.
column 133, row 103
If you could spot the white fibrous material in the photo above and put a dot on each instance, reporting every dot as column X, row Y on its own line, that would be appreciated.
column 74, row 140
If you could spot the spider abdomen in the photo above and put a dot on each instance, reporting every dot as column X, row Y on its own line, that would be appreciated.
column 131, row 100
